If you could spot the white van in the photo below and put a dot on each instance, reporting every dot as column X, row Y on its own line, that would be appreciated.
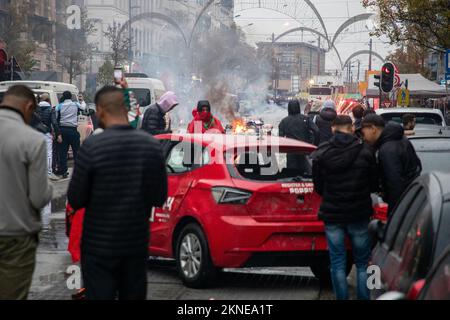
column 54, row 89
column 146, row 90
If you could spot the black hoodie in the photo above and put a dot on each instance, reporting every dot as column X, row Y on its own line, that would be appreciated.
column 398, row 161
column 324, row 121
column 297, row 126
column 345, row 175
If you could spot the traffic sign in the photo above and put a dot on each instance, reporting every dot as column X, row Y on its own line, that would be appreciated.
column 403, row 97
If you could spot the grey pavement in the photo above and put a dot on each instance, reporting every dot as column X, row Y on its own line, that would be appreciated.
column 298, row 283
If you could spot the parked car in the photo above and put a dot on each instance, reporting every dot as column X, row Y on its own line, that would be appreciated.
column 424, row 116
column 416, row 235
column 54, row 89
column 435, row 287
column 433, row 149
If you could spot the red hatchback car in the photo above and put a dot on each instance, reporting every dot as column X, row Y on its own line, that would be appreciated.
column 238, row 201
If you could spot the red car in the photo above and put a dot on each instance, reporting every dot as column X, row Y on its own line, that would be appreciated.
column 238, row 201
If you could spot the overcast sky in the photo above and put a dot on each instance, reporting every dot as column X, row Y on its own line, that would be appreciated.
column 334, row 13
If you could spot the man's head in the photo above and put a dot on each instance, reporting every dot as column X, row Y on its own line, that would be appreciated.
column 67, row 95
column 343, row 124
column 80, row 97
column 2, row 44
column 111, row 109
column 22, row 99
column 45, row 97
column 372, row 127
column 409, row 121
column 168, row 101
column 358, row 112
column 294, row 107
column 204, row 106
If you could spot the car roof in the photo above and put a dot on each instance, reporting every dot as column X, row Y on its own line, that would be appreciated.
column 408, row 110
column 428, row 133
column 224, row 142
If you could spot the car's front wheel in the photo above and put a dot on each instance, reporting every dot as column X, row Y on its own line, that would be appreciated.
column 193, row 258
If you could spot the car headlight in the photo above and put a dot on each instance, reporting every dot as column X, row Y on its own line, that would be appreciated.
column 224, row 195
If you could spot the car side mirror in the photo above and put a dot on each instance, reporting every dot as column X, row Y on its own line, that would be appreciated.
column 376, row 230
column 392, row 296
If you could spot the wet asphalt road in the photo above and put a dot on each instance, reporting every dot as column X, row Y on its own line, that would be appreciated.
column 49, row 280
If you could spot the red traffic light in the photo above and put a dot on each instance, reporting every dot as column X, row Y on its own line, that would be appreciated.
column 386, row 70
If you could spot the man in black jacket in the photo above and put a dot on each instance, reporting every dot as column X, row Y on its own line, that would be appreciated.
column 47, row 115
column 345, row 174
column 398, row 161
column 156, row 119
column 119, row 177
column 325, row 119
column 298, row 126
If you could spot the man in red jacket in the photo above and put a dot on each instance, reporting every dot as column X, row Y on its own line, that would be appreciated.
column 204, row 121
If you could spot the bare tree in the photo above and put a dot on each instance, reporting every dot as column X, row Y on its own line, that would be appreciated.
column 120, row 44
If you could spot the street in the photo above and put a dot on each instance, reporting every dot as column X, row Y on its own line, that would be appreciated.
column 49, row 280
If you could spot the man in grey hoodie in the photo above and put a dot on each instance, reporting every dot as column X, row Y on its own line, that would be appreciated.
column 24, row 191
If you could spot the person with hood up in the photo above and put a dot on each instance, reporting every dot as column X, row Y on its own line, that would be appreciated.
column 398, row 162
column 325, row 119
column 345, row 175
column 204, row 121
column 297, row 126
column 155, row 118
column 48, row 117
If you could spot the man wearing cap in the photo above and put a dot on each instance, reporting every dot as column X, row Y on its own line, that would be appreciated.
column 204, row 121
column 345, row 175
column 398, row 162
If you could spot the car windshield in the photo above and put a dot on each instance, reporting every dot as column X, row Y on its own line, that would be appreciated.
column 426, row 118
column 273, row 166
column 434, row 153
column 142, row 96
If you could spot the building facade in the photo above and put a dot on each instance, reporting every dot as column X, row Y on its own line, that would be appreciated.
column 294, row 64
column 155, row 41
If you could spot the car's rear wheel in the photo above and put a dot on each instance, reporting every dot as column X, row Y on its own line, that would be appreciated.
column 194, row 263
column 321, row 269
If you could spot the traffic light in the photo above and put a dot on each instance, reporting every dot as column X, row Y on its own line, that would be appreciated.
column 387, row 77
column 378, row 82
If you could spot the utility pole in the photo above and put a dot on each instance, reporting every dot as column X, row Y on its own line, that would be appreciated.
column 318, row 58
column 359, row 71
column 130, row 35
column 370, row 54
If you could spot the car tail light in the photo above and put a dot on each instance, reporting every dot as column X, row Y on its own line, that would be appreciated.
column 224, row 195
column 415, row 289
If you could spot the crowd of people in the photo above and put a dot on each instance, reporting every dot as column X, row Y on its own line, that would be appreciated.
column 119, row 176
column 355, row 158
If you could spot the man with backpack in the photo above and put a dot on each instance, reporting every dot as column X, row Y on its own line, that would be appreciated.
column 298, row 127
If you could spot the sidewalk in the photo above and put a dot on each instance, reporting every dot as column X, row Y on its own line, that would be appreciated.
column 60, row 194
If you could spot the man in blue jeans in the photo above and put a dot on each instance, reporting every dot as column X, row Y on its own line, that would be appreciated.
column 345, row 174
column 68, row 123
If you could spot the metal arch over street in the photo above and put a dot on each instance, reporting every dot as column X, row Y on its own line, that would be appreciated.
column 158, row 16
column 285, row 9
column 361, row 52
column 349, row 22
column 315, row 32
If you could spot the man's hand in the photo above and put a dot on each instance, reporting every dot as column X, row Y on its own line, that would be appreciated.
column 123, row 83
column 59, row 139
